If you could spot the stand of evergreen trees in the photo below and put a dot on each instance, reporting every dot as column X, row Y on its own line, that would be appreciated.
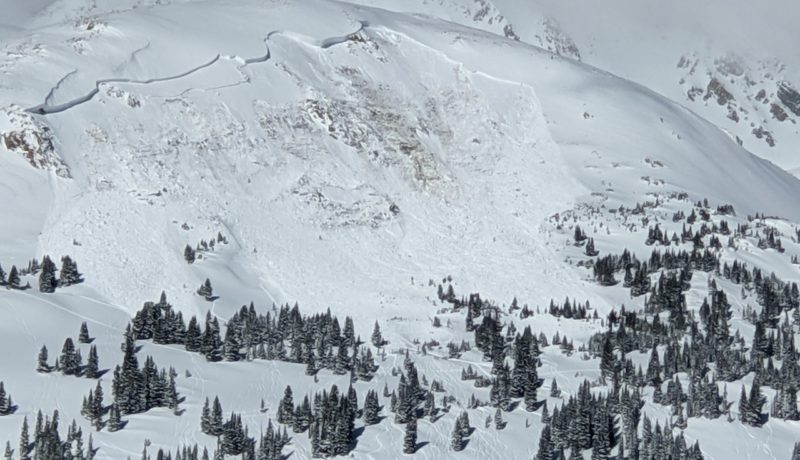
column 46, row 443
column 331, row 422
column 70, row 361
column 48, row 280
column 604, row 423
column 191, row 254
column 136, row 389
column 284, row 334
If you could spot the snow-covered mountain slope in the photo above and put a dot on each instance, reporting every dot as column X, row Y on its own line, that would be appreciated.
column 349, row 154
column 731, row 62
column 173, row 106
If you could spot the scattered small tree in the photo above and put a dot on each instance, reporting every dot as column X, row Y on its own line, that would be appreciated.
column 205, row 290
column 189, row 254
column 13, row 278
column 83, row 335
column 377, row 338
column 42, row 365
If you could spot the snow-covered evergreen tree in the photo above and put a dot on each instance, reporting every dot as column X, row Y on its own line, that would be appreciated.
column 47, row 277
column 410, row 438
column 83, row 335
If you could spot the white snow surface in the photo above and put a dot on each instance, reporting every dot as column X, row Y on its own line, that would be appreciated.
column 292, row 128
column 675, row 48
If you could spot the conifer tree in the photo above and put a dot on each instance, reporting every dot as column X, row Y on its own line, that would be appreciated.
column 92, row 369
column 349, row 333
column 231, row 345
column 69, row 272
column 530, row 389
column 211, row 344
column 98, row 408
column 578, row 235
column 608, row 360
column 377, row 338
column 430, row 405
column 234, row 436
column 654, row 369
column 601, row 437
column 302, row 416
column 41, row 362
column 498, row 419
column 171, row 396
column 465, row 427
column 457, row 438
column 193, row 339
column 205, row 290
column 590, row 250
column 545, row 413
column 70, row 360
column 286, row 406
column 114, row 420
column 13, row 278
column 216, row 421
column 47, row 277
column 311, row 363
column 750, row 406
column 189, row 254
column 555, row 392
column 371, row 408
column 205, row 418
column 410, row 439
column 90, row 450
column 24, row 441
column 545, row 451
column 83, row 335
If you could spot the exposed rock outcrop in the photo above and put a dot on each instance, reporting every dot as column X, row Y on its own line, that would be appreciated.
column 23, row 134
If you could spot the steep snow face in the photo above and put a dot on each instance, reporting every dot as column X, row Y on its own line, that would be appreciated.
column 725, row 60
column 731, row 62
column 348, row 154
column 351, row 145
column 602, row 123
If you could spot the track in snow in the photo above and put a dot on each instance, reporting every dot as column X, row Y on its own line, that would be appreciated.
column 47, row 109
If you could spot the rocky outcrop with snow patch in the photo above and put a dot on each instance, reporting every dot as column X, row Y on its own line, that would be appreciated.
column 23, row 134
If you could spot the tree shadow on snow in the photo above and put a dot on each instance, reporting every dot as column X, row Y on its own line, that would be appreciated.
column 356, row 434
column 538, row 404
